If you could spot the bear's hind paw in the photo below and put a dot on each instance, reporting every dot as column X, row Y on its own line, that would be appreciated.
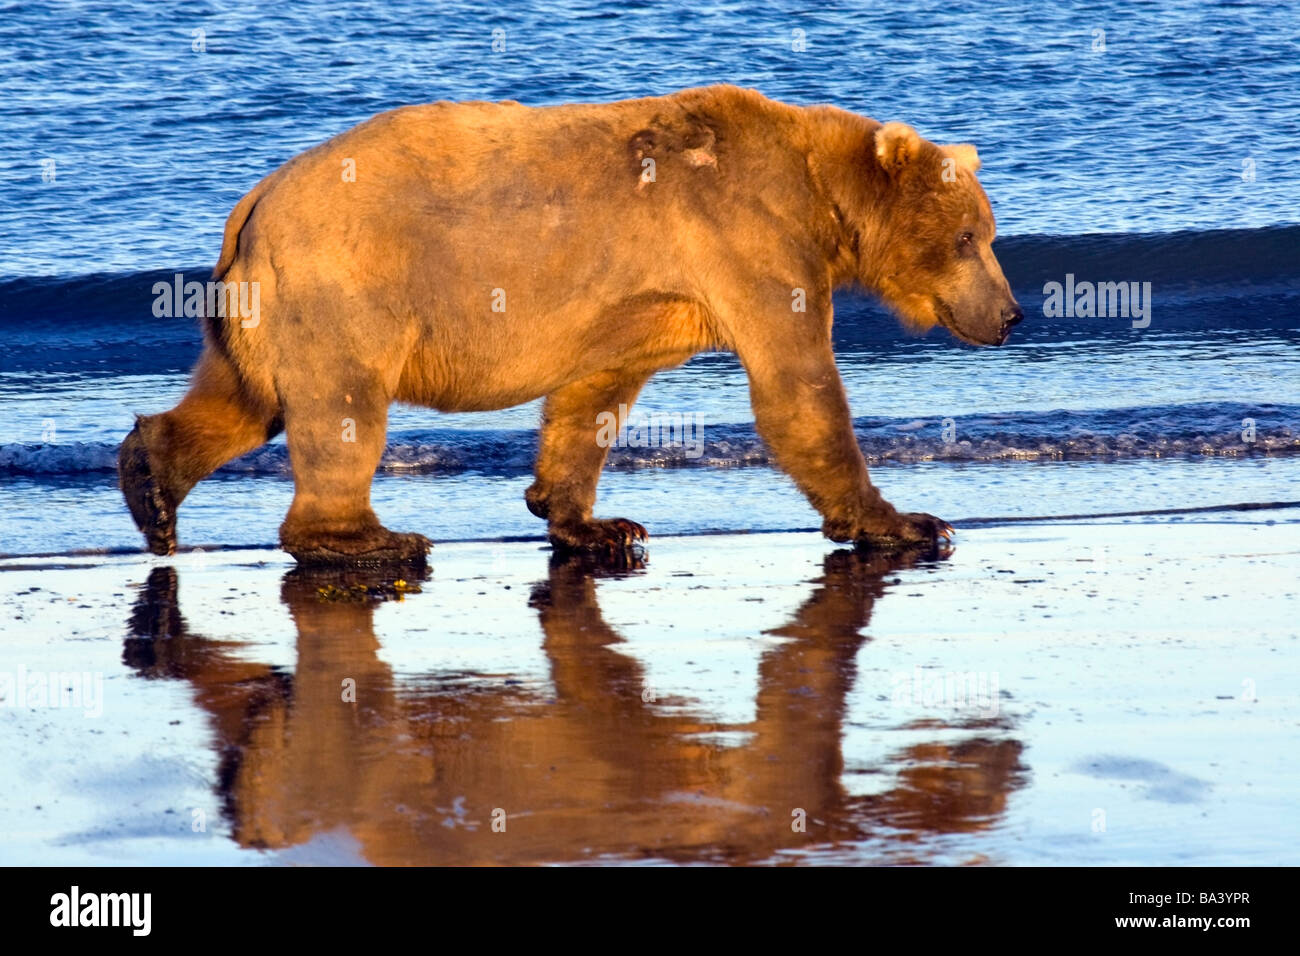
column 154, row 514
column 390, row 548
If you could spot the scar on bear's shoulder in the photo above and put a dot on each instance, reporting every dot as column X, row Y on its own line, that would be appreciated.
column 689, row 137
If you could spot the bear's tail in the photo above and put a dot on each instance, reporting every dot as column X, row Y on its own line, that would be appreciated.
column 244, row 353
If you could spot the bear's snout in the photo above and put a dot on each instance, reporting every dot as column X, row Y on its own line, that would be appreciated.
column 1012, row 315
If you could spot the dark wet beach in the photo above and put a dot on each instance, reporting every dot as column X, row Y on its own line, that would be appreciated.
column 1026, row 700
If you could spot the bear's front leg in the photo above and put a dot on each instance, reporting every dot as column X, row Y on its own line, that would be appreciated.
column 803, row 415
column 576, row 422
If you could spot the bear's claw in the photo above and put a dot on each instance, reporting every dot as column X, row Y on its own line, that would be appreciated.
column 598, row 536
column 905, row 532
column 929, row 527
column 154, row 514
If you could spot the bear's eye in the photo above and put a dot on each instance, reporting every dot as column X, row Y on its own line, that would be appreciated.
column 965, row 239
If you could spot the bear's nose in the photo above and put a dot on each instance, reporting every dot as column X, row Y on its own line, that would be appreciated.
column 1011, row 316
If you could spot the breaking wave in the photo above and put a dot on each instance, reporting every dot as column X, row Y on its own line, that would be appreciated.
column 1247, row 277
column 1145, row 432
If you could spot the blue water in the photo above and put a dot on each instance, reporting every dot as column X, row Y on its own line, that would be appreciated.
column 1167, row 157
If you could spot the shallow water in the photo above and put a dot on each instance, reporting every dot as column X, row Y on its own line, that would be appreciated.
column 1071, row 693
column 154, row 142
column 51, row 516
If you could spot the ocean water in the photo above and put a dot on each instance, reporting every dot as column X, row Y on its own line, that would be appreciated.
column 1122, row 142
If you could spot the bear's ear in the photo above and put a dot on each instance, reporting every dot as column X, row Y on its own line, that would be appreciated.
column 897, row 145
column 965, row 154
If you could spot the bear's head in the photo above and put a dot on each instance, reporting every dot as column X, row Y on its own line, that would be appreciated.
column 926, row 247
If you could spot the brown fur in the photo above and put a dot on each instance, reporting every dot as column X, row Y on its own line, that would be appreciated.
column 381, row 290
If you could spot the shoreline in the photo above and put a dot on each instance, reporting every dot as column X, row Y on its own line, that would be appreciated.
column 541, row 539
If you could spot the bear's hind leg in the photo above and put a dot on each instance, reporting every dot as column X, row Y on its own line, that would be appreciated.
column 335, row 444
column 166, row 455
column 569, row 459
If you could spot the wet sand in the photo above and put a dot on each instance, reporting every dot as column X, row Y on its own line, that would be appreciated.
column 1093, row 692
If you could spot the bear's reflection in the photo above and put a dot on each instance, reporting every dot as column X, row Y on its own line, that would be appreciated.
column 414, row 771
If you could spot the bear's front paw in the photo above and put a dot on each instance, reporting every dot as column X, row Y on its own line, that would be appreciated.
column 921, row 528
column 898, row 532
column 598, row 536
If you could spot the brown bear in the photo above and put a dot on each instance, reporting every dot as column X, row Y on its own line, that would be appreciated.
column 475, row 256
